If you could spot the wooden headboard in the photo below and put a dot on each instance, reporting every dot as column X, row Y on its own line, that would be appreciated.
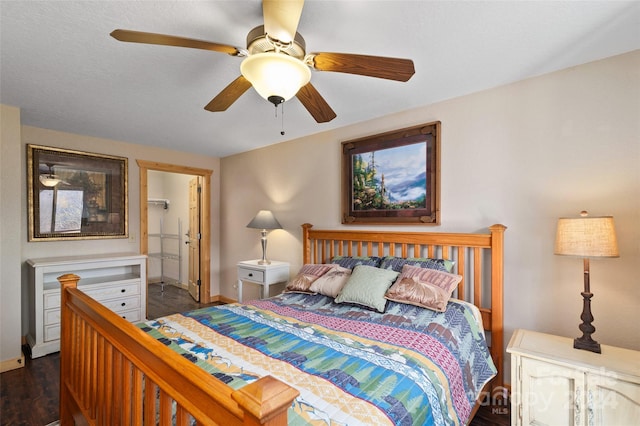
column 478, row 257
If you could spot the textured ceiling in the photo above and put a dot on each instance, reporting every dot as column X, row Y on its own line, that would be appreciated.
column 61, row 67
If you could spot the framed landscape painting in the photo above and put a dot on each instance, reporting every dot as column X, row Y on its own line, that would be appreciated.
column 392, row 178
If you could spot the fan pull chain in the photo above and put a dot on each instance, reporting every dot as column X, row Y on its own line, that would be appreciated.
column 281, row 116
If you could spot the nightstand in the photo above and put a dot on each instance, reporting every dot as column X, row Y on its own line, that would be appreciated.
column 265, row 275
column 554, row 384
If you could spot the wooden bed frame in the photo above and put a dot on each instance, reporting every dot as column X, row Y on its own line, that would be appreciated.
column 111, row 372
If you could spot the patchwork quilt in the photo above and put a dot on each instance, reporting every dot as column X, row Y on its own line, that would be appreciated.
column 408, row 366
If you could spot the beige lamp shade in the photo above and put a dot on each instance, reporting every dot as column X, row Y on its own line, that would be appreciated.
column 275, row 74
column 586, row 236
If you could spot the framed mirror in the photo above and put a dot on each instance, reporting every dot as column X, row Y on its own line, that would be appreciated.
column 74, row 195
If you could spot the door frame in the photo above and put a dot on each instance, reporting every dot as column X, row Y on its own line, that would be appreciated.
column 205, row 226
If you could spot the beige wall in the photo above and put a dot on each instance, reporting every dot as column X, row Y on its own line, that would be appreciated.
column 10, row 224
column 522, row 155
column 17, row 248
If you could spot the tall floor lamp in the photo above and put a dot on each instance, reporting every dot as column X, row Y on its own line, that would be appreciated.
column 586, row 237
column 264, row 220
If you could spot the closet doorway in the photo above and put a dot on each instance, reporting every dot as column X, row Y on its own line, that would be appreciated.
column 199, row 210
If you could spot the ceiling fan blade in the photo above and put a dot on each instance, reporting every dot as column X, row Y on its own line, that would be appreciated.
column 315, row 104
column 169, row 40
column 281, row 18
column 371, row 66
column 229, row 95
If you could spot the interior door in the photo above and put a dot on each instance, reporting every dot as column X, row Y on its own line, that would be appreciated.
column 194, row 238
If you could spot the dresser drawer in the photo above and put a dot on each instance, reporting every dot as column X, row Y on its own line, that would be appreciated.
column 51, row 316
column 123, row 304
column 251, row 275
column 131, row 316
column 113, row 291
column 52, row 299
column 51, row 332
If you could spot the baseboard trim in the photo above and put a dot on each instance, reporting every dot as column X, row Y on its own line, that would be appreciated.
column 12, row 364
column 222, row 299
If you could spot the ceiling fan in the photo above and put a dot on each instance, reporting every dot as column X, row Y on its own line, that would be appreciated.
column 276, row 63
column 50, row 179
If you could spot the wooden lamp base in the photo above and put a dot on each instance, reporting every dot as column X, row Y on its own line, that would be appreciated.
column 585, row 342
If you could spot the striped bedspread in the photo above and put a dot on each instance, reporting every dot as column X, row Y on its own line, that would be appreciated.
column 408, row 366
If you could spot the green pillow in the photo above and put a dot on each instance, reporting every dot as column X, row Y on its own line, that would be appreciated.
column 367, row 287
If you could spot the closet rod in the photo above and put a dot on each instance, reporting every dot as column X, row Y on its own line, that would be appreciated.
column 162, row 201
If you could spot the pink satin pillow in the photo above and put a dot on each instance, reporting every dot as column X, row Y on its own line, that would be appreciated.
column 424, row 287
column 301, row 283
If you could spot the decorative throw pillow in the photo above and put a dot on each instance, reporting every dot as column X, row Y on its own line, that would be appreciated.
column 353, row 261
column 307, row 275
column 331, row 282
column 424, row 287
column 367, row 286
column 396, row 263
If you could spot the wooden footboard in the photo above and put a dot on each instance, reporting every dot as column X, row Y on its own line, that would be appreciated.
column 112, row 373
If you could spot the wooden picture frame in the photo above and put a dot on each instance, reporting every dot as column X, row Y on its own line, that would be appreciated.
column 75, row 195
column 393, row 177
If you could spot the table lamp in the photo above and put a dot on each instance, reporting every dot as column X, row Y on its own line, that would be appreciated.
column 264, row 220
column 586, row 237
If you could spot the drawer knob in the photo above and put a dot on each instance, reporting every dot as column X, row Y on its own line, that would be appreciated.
column 123, row 304
column 123, row 290
column 124, row 316
column 250, row 274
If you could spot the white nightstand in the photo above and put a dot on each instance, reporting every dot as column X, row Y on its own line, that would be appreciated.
column 554, row 384
column 265, row 275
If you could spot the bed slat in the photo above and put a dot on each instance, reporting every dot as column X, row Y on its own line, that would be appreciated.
column 149, row 400
column 477, row 277
column 165, row 409
column 460, row 265
column 136, row 406
column 117, row 388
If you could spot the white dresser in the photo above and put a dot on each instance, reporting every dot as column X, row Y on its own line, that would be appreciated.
column 554, row 384
column 118, row 281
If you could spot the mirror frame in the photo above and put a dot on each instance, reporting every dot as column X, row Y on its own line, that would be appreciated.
column 103, row 182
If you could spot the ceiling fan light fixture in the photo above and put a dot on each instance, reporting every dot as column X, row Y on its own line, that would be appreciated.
column 49, row 180
column 275, row 75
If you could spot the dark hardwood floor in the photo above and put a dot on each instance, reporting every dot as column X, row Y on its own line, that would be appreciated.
column 496, row 413
column 173, row 299
column 30, row 395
